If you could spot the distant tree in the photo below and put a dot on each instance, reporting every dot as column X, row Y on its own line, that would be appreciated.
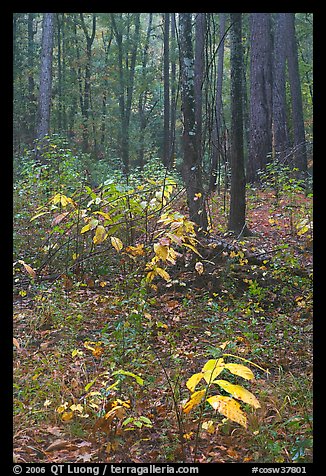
column 299, row 141
column 218, row 113
column 127, row 53
column 44, row 102
column 280, row 133
column 199, row 69
column 260, row 131
column 192, row 167
column 166, row 81
column 32, row 110
column 173, row 107
column 238, row 182
column 86, row 102
column 143, row 96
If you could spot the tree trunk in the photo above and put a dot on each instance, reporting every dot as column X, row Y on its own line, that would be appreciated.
column 238, row 183
column 200, row 30
column 143, row 97
column 300, row 154
column 173, row 106
column 217, row 121
column 126, row 84
column 32, row 109
column 280, row 136
column 87, row 85
column 166, row 82
column 44, row 104
column 260, row 145
column 192, row 171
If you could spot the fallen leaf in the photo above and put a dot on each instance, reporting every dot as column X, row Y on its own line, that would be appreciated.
column 16, row 343
column 57, row 445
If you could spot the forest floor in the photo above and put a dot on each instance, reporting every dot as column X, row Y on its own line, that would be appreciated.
column 69, row 341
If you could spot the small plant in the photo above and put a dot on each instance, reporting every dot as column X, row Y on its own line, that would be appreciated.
column 226, row 405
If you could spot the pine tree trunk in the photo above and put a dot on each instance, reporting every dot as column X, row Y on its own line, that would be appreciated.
column 300, row 154
column 280, row 136
column 44, row 104
column 238, row 183
column 166, row 81
column 192, row 172
column 260, row 133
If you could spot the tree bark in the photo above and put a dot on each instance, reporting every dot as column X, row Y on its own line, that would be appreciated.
column 238, row 182
column 200, row 29
column 300, row 153
column 87, row 84
column 44, row 104
column 166, row 82
column 280, row 135
column 192, row 171
column 260, row 133
column 143, row 118
column 217, row 122
column 126, row 84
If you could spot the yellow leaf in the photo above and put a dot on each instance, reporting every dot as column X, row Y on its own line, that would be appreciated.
column 208, row 426
column 161, row 251
column 103, row 214
column 225, row 344
column 187, row 245
column 239, row 392
column 150, row 276
column 62, row 408
column 212, row 369
column 199, row 267
column 116, row 243
column 195, row 399
column 85, row 228
column 228, row 407
column 193, row 381
column 77, row 408
column 38, row 215
column 67, row 416
column 161, row 272
column 137, row 250
column 92, row 223
column 100, row 235
column 118, row 411
column 241, row 370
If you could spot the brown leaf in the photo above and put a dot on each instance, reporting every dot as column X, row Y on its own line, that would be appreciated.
column 28, row 268
column 57, row 219
column 58, row 445
column 16, row 343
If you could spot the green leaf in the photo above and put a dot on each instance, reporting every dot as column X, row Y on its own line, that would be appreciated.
column 138, row 379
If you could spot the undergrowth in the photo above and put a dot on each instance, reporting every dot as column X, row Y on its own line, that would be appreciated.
column 121, row 323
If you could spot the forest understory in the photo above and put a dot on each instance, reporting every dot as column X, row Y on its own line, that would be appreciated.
column 252, row 298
